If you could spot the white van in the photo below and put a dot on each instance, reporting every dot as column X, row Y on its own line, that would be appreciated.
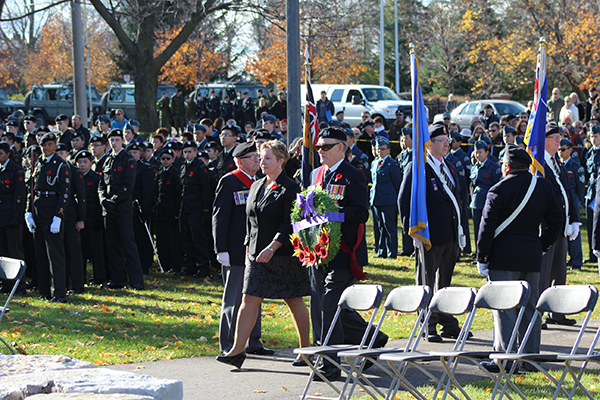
column 354, row 99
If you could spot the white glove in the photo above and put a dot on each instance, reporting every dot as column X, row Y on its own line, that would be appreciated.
column 483, row 268
column 597, row 253
column 574, row 230
column 223, row 258
column 55, row 227
column 30, row 222
column 417, row 243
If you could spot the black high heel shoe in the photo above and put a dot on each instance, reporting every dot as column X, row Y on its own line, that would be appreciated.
column 236, row 360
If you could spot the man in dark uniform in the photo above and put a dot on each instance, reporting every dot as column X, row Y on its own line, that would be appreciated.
column 227, row 109
column 279, row 108
column 79, row 128
column 191, row 109
column 177, row 105
column 66, row 134
column 592, row 166
column 74, row 222
column 164, row 111
column 176, row 147
column 458, row 155
column 405, row 157
column 44, row 216
column 143, row 193
column 202, row 106
column 99, row 145
column 115, row 189
column 32, row 155
column 395, row 132
column 92, row 235
column 336, row 175
column 12, row 207
column 364, row 140
column 77, row 144
column 521, row 236
column 214, row 106
column 228, row 231
column 148, row 155
column 247, row 109
column 434, row 267
column 228, row 137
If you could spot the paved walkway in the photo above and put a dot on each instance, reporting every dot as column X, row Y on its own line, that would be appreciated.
column 273, row 377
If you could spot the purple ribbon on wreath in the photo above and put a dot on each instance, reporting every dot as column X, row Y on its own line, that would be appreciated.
column 306, row 204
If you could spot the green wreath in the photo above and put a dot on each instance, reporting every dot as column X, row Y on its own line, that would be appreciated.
column 318, row 244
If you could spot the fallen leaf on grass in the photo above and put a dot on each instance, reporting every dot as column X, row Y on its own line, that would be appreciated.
column 150, row 348
column 21, row 350
column 97, row 362
column 286, row 389
column 140, row 367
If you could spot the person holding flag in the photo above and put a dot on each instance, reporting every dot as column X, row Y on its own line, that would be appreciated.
column 429, row 208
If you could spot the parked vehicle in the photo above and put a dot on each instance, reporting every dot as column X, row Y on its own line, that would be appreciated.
column 465, row 112
column 122, row 96
column 50, row 100
column 7, row 106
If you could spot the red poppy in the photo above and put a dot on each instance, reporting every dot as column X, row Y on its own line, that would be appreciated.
column 274, row 186
column 317, row 248
column 379, row 164
column 338, row 176
column 230, row 165
column 119, row 169
column 301, row 256
column 323, row 252
column 132, row 166
column 7, row 181
column 306, row 249
column 296, row 243
column 168, row 182
column 66, row 172
column 192, row 173
column 312, row 258
column 570, row 175
column 49, row 172
column 324, row 238
column 89, row 183
column 20, row 178
column 487, row 175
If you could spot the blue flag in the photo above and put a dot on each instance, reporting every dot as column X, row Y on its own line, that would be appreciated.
column 535, row 136
column 418, row 222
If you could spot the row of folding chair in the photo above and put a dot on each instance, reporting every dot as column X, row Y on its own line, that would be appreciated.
column 497, row 296
column 10, row 269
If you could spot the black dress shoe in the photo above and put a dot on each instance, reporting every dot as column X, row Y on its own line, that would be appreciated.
column 76, row 291
column 453, row 334
column 329, row 373
column 236, row 360
column 544, row 326
column 564, row 321
column 381, row 341
column 44, row 297
column 112, row 285
column 201, row 275
column 263, row 351
column 435, row 338
column 494, row 368
column 58, row 300
column 299, row 362
column 136, row 286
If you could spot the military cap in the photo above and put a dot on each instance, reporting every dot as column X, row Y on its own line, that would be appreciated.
column 245, row 92
column 455, row 135
column 61, row 147
column 280, row 92
column 406, row 132
column 12, row 123
column 241, row 139
column 134, row 122
column 446, row 115
column 595, row 129
column 84, row 154
column 133, row 146
column 4, row 147
column 145, row 145
column 12, row 118
column 399, row 111
column 520, row 139
column 335, row 123
column 368, row 122
column 486, row 139
column 42, row 128
column 243, row 149
column 115, row 132
column 203, row 154
column 233, row 128
column 333, row 133
column 509, row 129
column 199, row 127
column 130, row 127
column 516, row 153
column 380, row 141
column 188, row 144
column 337, row 113
column 103, row 118
column 436, row 130
column 262, row 134
column 61, row 117
column 30, row 118
column 551, row 129
column 18, row 113
column 348, row 131
column 268, row 117
column 168, row 151
column 49, row 137
column 100, row 139
column 480, row 144
column 33, row 148
column 510, row 117
column 566, row 142
column 77, row 135
column 9, row 135
column 212, row 145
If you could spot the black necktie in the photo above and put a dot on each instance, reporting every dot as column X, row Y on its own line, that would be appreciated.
column 555, row 166
column 448, row 181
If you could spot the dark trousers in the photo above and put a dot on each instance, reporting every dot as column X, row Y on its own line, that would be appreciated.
column 50, row 254
column 434, row 268
column 145, row 251
column 476, row 221
column 194, row 242
column 385, row 218
column 11, row 245
column 589, row 215
column 554, row 268
column 168, row 244
column 122, row 250
column 92, row 244
column 29, row 256
column 73, row 255
column 464, row 222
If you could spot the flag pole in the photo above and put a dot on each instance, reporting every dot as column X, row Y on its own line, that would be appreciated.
column 311, row 155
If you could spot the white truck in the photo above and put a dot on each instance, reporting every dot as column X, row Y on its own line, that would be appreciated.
column 354, row 99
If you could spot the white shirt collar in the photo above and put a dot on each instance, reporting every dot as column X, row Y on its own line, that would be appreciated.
column 336, row 165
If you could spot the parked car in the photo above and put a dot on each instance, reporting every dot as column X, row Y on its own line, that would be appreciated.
column 465, row 112
column 354, row 99
column 7, row 106
column 122, row 96
column 48, row 101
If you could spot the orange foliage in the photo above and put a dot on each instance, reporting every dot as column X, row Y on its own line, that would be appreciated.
column 332, row 61
column 197, row 60
column 10, row 73
column 53, row 57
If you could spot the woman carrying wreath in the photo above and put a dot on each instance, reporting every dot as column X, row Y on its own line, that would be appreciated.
column 271, row 269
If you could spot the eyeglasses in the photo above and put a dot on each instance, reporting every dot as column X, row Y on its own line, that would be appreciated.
column 493, row 130
column 253, row 157
column 365, row 117
column 119, row 114
column 442, row 140
column 28, row 122
column 563, row 149
column 166, row 158
column 325, row 147
column 223, row 135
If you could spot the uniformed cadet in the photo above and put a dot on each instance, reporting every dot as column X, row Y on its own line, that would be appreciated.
column 404, row 158
column 10, row 138
column 177, row 105
column 484, row 174
column 148, row 152
column 115, row 189
column 44, row 216
column 131, row 136
column 247, row 108
column 77, row 144
column 227, row 109
column 228, row 231
column 395, row 133
column 12, row 207
column 164, row 111
column 457, row 159
column 269, row 124
column 576, row 185
column 99, row 145
column 177, row 149
column 103, row 123
column 195, row 214
column 191, row 109
column 73, row 223
column 228, row 137
column 92, row 235
column 592, row 166
column 143, row 192
column 386, row 177
column 66, row 134
column 214, row 106
column 31, row 157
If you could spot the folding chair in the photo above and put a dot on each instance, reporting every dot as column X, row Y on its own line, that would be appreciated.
column 406, row 300
column 560, row 299
column 10, row 269
column 449, row 300
column 591, row 356
column 496, row 296
column 357, row 298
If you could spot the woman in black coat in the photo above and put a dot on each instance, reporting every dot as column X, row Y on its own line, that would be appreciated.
column 271, row 269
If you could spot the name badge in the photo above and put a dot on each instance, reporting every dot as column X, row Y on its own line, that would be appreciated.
column 336, row 192
column 240, row 197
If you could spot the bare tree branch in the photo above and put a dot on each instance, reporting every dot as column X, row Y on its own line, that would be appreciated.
column 30, row 13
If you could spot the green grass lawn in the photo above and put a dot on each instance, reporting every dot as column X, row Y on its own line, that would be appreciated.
column 178, row 317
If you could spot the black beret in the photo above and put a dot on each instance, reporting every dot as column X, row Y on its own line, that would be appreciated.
column 77, row 135
column 516, row 153
column 262, row 134
column 243, row 149
column 115, row 132
column 188, row 144
column 4, row 147
column 333, row 133
column 212, row 145
column 168, row 151
column 84, row 154
column 436, row 130
column 100, row 139
column 145, row 145
column 368, row 122
column 61, row 147
column 339, row 112
column 48, row 137
column 12, row 123
column 203, row 154
column 61, row 117
column 551, row 129
column 29, row 118
column 33, row 148
column 132, row 146
column 233, row 128
column 41, row 129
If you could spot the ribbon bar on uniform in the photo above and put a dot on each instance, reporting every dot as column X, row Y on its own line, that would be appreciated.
column 318, row 220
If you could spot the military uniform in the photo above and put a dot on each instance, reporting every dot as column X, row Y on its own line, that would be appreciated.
column 592, row 166
column 248, row 110
column 214, row 107
column 227, row 110
column 575, row 185
column 92, row 236
column 98, row 165
column 191, row 110
column 407, row 243
column 177, row 105
column 395, row 133
column 224, row 162
column 76, row 211
column 202, row 108
column 143, row 192
column 483, row 177
column 167, row 202
column 461, row 171
column 164, row 112
column 65, row 138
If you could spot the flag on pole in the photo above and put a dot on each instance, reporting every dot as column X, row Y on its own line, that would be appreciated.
column 418, row 222
column 310, row 158
column 535, row 136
